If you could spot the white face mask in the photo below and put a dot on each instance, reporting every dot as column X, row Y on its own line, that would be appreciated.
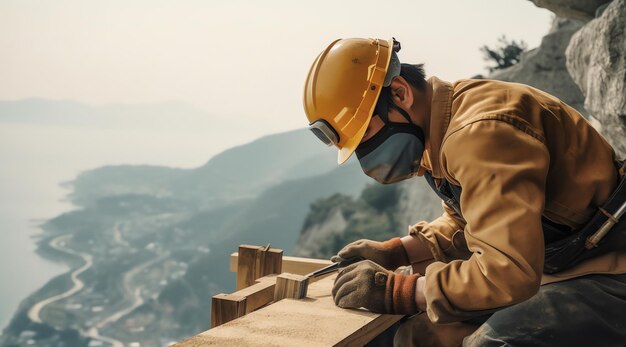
column 393, row 154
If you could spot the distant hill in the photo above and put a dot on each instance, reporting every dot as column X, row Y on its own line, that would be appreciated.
column 236, row 174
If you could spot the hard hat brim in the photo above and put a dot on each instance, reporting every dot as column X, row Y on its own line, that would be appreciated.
column 346, row 151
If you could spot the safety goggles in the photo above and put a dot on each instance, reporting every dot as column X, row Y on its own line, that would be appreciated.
column 325, row 132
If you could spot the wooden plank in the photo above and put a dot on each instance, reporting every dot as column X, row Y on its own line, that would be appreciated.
column 294, row 265
column 255, row 262
column 368, row 332
column 226, row 307
column 270, row 262
column 245, row 267
column 259, row 294
column 313, row 321
column 290, row 286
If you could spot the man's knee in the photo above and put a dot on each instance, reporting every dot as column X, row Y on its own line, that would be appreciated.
column 559, row 314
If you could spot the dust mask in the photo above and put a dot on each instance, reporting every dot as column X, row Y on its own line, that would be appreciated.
column 395, row 152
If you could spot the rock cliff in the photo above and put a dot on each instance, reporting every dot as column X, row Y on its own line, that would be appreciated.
column 544, row 67
column 583, row 10
column 596, row 59
column 380, row 213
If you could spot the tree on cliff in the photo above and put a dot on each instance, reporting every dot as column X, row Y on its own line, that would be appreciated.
column 505, row 54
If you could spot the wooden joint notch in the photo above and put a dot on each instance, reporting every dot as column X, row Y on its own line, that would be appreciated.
column 255, row 262
column 290, row 286
column 226, row 307
column 294, row 265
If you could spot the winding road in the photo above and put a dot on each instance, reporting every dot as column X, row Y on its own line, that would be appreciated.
column 135, row 295
column 35, row 312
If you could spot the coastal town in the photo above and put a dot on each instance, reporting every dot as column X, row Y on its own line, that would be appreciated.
column 108, row 313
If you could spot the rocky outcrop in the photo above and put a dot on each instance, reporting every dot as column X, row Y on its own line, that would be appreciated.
column 317, row 234
column 544, row 67
column 380, row 213
column 583, row 10
column 417, row 202
column 596, row 59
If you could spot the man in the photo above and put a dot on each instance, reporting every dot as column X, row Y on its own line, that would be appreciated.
column 524, row 180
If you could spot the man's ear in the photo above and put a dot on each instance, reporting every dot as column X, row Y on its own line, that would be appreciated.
column 401, row 92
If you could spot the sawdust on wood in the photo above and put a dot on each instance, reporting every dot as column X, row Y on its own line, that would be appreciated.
column 312, row 321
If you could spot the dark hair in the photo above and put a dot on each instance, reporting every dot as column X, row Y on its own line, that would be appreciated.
column 414, row 74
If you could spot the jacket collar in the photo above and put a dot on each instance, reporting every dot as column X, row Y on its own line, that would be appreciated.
column 440, row 113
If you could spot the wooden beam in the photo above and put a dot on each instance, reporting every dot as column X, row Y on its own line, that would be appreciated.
column 315, row 321
column 259, row 294
column 226, row 307
column 290, row 286
column 294, row 265
column 255, row 262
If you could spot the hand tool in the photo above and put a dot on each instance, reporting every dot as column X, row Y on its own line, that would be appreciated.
column 334, row 267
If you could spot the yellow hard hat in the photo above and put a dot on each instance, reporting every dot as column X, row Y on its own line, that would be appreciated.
column 343, row 86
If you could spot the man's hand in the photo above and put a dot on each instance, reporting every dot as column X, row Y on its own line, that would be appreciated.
column 369, row 285
column 362, row 285
column 390, row 254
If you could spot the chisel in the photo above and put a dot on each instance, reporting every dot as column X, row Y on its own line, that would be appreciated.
column 334, row 267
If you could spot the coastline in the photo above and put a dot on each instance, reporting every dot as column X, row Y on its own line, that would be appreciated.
column 55, row 285
column 29, row 269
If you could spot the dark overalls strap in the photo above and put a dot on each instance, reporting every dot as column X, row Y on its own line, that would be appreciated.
column 449, row 193
column 567, row 252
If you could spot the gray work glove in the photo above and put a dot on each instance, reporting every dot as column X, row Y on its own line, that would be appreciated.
column 390, row 254
column 369, row 285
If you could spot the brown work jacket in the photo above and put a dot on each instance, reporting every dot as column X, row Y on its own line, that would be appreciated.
column 518, row 154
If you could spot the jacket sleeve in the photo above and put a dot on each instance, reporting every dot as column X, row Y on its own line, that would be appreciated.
column 443, row 236
column 502, row 171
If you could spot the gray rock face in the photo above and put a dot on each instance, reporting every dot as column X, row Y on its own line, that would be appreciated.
column 544, row 67
column 583, row 10
column 417, row 202
column 311, row 238
column 596, row 59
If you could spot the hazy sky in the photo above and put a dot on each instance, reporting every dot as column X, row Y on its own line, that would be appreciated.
column 233, row 58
